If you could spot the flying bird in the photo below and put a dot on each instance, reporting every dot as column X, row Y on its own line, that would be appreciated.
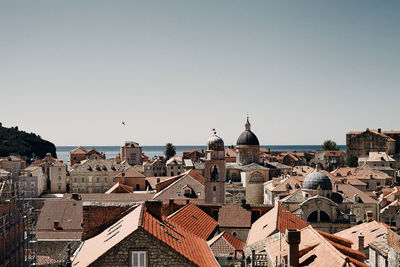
column 123, row 123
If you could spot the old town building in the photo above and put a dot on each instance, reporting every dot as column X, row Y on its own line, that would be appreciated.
column 132, row 153
column 359, row 143
column 95, row 176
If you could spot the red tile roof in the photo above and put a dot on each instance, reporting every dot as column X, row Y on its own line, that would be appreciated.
column 235, row 242
column 287, row 220
column 197, row 176
column 129, row 173
column 194, row 220
column 192, row 247
column 79, row 150
column 277, row 219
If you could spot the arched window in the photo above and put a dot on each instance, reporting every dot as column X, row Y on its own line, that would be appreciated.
column 214, row 174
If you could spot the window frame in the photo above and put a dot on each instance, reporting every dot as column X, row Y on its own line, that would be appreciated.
column 138, row 252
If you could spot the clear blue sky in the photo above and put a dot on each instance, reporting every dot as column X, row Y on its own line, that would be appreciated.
column 305, row 71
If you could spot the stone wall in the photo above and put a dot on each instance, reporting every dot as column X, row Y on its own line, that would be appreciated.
column 158, row 253
column 56, row 249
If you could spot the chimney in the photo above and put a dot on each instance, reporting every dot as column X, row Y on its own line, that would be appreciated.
column 293, row 240
column 56, row 225
column 154, row 208
column 171, row 203
column 361, row 242
column 253, row 258
column 370, row 216
column 379, row 130
column 76, row 196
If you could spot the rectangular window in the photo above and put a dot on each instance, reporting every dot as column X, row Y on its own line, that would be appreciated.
column 98, row 179
column 178, row 194
column 59, row 169
column 32, row 184
column 59, row 187
column 75, row 179
column 59, row 177
column 105, row 179
column 97, row 189
column 133, row 156
column 138, row 259
column 83, row 179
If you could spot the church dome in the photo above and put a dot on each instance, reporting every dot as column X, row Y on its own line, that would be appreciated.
column 247, row 138
column 317, row 180
column 215, row 143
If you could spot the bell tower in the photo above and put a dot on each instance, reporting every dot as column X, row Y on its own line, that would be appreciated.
column 215, row 170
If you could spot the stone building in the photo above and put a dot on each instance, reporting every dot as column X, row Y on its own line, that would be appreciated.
column 155, row 167
column 247, row 146
column 143, row 238
column 132, row 153
column 132, row 178
column 80, row 153
column 32, row 182
column 327, row 207
column 12, row 164
column 95, row 176
column 215, row 170
column 174, row 166
column 379, row 161
column 58, row 177
column 359, row 144
column 12, row 238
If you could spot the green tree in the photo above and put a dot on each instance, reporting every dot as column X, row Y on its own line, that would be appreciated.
column 169, row 150
column 329, row 145
column 352, row 161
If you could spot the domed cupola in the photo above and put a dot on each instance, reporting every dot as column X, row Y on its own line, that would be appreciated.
column 215, row 143
column 317, row 180
column 247, row 138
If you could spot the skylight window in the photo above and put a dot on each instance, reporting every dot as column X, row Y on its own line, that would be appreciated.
column 168, row 233
column 373, row 230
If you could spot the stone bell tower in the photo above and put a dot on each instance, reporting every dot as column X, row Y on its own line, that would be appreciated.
column 215, row 170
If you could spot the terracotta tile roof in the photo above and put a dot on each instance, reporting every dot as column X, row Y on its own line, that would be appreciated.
column 317, row 250
column 197, row 176
column 119, row 188
column 336, row 239
column 123, row 197
column 98, row 245
column 68, row 213
column 225, row 244
column 383, row 134
column 192, row 247
column 278, row 219
column 154, row 180
column 194, row 220
column 130, row 172
column 185, row 243
column 166, row 182
column 371, row 231
column 349, row 191
column 393, row 240
column 79, row 150
column 370, row 174
column 235, row 242
column 343, row 172
column 355, row 181
column 234, row 216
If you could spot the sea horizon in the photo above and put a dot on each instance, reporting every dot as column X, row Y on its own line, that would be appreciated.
column 151, row 151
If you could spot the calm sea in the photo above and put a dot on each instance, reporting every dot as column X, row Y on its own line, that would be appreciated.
column 150, row 151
